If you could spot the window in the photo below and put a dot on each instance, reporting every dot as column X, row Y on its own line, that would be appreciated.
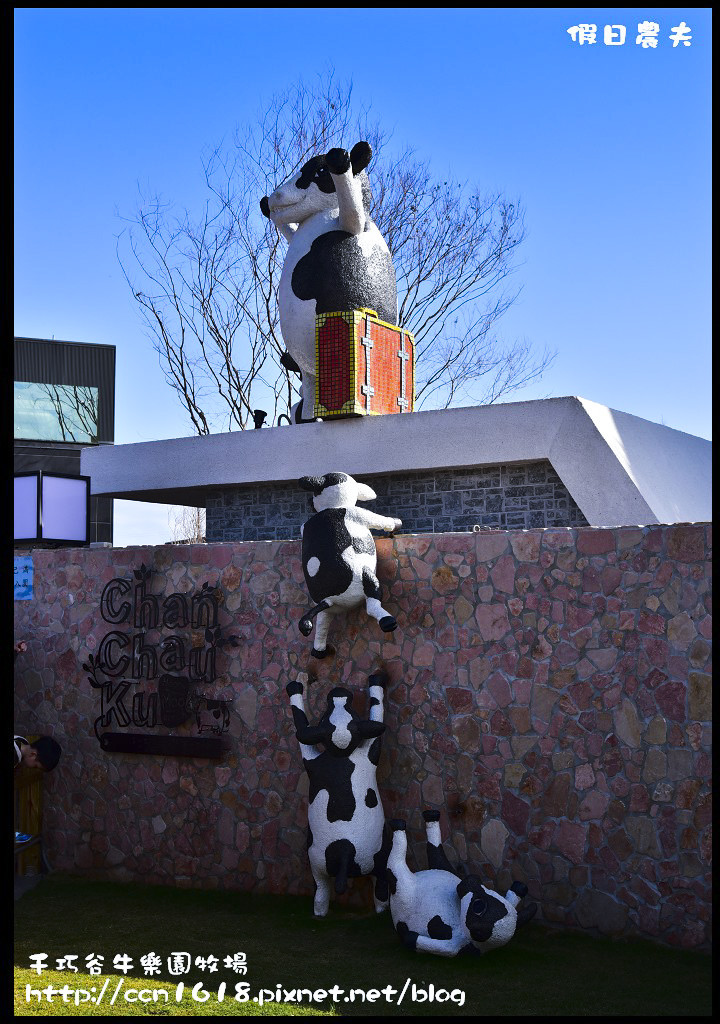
column 56, row 412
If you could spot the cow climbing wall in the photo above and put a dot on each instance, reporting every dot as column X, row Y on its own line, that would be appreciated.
column 549, row 694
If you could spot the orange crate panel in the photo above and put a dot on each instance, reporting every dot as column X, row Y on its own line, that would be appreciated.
column 364, row 366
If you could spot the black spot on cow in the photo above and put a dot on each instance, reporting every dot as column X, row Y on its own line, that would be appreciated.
column 374, row 751
column 483, row 912
column 332, row 774
column 392, row 882
column 371, row 799
column 325, row 535
column 364, row 545
column 437, row 929
column 341, row 864
column 314, row 172
column 437, row 859
column 338, row 275
column 371, row 585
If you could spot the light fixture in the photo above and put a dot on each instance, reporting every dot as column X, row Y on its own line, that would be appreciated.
column 52, row 508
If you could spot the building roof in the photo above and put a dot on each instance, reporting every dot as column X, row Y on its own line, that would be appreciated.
column 620, row 469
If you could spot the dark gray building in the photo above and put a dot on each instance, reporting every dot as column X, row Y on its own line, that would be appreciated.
column 64, row 400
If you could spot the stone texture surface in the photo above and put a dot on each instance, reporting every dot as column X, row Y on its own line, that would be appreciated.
column 547, row 695
column 516, row 497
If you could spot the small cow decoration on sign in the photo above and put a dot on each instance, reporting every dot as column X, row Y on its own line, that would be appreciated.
column 346, row 834
column 441, row 911
column 336, row 259
column 339, row 559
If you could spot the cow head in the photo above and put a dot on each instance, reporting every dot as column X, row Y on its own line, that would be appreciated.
column 335, row 490
column 490, row 919
column 312, row 189
column 340, row 730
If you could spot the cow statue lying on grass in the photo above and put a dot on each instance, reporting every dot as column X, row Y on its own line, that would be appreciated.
column 336, row 259
column 346, row 836
column 338, row 555
column 441, row 911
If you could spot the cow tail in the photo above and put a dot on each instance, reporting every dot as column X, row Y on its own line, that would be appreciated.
column 341, row 878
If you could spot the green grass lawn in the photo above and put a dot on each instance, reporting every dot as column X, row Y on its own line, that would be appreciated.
column 541, row 972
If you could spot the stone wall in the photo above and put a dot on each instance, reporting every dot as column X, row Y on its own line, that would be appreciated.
column 550, row 695
column 515, row 497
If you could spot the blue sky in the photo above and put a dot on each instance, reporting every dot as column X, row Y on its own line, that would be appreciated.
column 607, row 147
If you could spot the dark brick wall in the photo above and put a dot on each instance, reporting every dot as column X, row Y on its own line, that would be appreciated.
column 524, row 497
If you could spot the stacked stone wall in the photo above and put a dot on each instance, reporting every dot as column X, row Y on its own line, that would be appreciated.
column 514, row 497
column 550, row 694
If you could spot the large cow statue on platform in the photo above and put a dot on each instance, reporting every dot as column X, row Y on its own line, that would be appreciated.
column 336, row 259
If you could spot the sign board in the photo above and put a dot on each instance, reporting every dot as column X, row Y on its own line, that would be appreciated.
column 23, row 578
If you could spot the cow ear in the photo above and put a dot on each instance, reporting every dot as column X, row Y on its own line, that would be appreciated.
column 360, row 156
column 312, row 483
column 365, row 493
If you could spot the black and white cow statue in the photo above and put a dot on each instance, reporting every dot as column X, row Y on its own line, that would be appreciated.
column 441, row 911
column 339, row 559
column 336, row 260
column 346, row 835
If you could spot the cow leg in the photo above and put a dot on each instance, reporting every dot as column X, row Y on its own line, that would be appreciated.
column 321, row 649
column 381, row 889
column 373, row 593
column 398, row 871
column 307, row 391
column 305, row 624
column 321, row 903
column 436, row 856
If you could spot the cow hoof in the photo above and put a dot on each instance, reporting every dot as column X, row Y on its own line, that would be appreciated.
column 326, row 652
column 397, row 825
column 378, row 679
column 388, row 623
column 337, row 161
column 305, row 626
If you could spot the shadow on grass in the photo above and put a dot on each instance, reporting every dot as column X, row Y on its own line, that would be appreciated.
column 542, row 971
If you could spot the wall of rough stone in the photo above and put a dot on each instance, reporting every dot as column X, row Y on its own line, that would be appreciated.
column 550, row 694
column 515, row 497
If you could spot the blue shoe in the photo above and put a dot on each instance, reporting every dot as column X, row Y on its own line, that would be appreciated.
column 22, row 837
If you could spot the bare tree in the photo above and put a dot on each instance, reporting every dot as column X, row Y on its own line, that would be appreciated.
column 187, row 524
column 208, row 284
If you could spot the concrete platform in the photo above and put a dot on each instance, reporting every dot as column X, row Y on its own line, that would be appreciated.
column 619, row 469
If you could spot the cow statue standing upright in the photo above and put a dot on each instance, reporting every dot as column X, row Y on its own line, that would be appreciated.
column 346, row 835
column 336, row 259
column 442, row 911
column 339, row 559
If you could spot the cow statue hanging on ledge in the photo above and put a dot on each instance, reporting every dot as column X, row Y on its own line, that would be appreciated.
column 336, row 259
column 339, row 559
column 346, row 835
column 441, row 911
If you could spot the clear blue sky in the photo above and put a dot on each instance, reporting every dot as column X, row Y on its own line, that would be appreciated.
column 607, row 147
